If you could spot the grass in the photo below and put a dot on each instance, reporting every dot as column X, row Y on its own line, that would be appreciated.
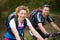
column 28, row 36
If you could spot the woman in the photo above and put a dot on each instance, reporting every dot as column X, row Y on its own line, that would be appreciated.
column 21, row 13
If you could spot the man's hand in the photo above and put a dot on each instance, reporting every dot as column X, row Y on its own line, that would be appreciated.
column 47, row 35
column 59, row 30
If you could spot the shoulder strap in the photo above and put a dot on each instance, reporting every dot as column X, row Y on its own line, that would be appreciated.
column 25, row 23
column 16, row 21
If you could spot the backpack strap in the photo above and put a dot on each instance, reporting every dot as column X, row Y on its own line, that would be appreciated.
column 16, row 21
column 25, row 24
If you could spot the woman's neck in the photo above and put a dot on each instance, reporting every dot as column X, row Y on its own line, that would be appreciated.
column 21, row 21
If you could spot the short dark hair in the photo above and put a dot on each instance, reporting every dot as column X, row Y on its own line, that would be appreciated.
column 46, row 5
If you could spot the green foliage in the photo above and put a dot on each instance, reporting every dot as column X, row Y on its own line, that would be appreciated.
column 12, row 4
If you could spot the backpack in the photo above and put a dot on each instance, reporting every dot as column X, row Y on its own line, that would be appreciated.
column 9, row 17
column 32, row 14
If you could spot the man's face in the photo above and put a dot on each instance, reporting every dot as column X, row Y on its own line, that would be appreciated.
column 45, row 11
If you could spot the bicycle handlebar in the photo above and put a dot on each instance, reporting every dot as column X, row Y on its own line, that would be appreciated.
column 55, row 34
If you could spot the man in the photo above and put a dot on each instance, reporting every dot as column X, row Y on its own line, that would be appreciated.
column 39, row 20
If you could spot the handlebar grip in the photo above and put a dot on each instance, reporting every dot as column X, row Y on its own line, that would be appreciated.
column 55, row 34
column 47, row 35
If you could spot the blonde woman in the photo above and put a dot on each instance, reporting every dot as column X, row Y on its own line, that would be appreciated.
column 15, row 32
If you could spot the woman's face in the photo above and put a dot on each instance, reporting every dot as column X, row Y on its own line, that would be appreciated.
column 22, row 14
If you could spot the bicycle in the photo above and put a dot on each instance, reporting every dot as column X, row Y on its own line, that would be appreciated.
column 54, row 35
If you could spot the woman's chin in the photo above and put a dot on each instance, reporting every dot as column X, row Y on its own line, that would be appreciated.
column 22, row 19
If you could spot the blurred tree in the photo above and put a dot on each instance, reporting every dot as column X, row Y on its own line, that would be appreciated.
column 10, row 5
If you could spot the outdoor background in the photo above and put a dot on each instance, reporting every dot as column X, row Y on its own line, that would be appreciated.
column 8, row 6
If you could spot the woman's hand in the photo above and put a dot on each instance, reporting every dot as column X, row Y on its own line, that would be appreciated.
column 18, row 39
column 35, row 33
column 16, row 34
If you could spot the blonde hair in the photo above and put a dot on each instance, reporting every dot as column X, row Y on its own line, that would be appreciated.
column 19, row 8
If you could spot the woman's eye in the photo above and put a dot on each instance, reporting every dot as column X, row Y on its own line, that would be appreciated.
column 23, row 13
